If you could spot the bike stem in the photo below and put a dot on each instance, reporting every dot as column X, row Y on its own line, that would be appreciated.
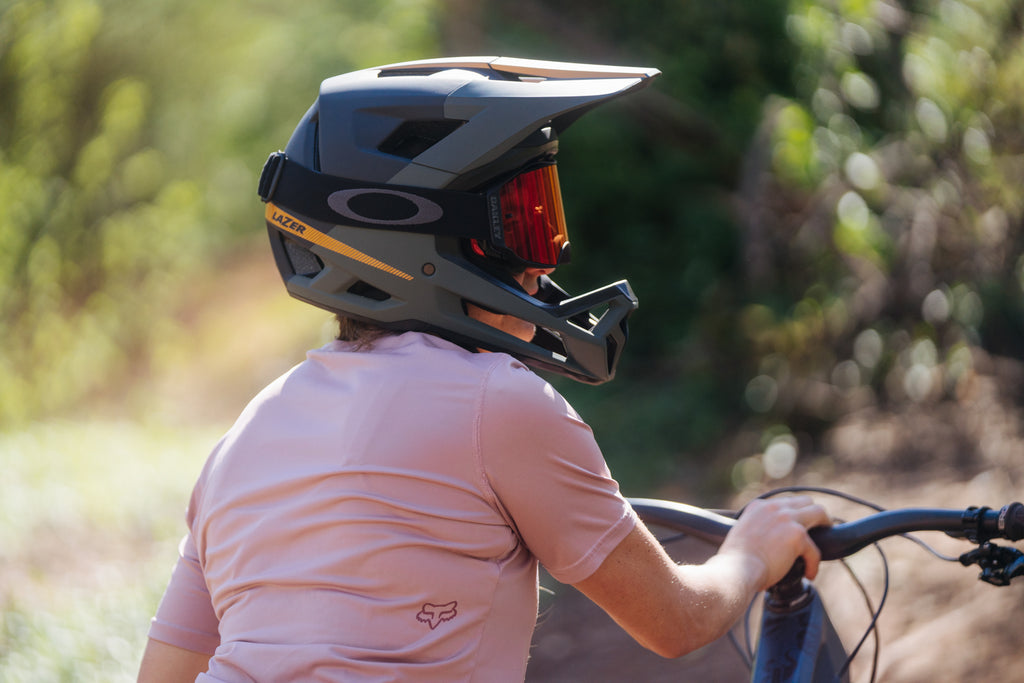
column 791, row 592
column 798, row 642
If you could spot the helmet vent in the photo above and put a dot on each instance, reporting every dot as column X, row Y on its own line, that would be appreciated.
column 551, row 341
column 368, row 291
column 303, row 261
column 412, row 138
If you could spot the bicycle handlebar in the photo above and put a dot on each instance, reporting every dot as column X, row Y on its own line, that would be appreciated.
column 976, row 524
column 703, row 524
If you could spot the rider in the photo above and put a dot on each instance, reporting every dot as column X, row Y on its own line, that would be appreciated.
column 379, row 512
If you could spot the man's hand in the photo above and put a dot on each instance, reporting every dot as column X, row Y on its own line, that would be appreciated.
column 771, row 534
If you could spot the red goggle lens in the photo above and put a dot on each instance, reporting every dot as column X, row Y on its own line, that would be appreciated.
column 533, row 222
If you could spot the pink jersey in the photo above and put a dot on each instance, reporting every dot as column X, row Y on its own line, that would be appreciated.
column 379, row 515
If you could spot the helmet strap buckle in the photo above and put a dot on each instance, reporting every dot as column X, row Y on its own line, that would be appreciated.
column 271, row 176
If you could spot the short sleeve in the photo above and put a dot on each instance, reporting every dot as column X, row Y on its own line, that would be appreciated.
column 185, row 617
column 549, row 476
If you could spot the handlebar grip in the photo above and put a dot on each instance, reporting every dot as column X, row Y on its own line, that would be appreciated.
column 1011, row 522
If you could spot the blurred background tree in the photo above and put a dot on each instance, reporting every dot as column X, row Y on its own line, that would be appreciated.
column 131, row 137
column 881, row 221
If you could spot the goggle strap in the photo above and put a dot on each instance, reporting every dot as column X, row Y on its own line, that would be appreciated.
column 329, row 199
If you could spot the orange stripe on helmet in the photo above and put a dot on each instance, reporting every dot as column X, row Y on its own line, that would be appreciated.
column 290, row 224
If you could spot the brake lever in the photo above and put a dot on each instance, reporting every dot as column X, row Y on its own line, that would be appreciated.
column 999, row 565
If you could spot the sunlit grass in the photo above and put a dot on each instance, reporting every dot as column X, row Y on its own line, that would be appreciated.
column 90, row 514
column 82, row 635
column 111, row 475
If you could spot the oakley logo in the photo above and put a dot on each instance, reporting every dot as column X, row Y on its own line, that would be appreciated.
column 422, row 209
column 433, row 615
column 494, row 211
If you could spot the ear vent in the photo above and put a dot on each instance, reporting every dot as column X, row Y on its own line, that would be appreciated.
column 412, row 138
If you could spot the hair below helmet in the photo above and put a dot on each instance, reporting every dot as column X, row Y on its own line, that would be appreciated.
column 395, row 171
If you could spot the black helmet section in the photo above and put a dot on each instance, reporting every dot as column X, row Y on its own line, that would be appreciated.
column 386, row 180
column 450, row 123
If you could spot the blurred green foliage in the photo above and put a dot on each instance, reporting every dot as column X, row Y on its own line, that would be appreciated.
column 817, row 203
column 131, row 137
column 881, row 219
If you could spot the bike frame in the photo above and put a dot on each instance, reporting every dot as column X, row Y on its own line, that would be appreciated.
column 798, row 642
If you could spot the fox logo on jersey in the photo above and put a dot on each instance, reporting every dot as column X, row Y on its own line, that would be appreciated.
column 433, row 615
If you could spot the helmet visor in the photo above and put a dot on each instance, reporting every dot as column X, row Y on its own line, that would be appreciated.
column 532, row 220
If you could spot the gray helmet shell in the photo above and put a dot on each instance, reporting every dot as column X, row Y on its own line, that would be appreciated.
column 451, row 127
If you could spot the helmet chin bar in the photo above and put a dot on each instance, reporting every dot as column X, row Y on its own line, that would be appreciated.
column 577, row 337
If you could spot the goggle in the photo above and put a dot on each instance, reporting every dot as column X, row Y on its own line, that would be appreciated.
column 532, row 225
column 520, row 221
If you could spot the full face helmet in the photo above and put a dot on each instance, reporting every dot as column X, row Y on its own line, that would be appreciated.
column 411, row 190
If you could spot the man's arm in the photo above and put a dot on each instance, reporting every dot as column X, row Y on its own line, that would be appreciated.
column 674, row 609
column 163, row 663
